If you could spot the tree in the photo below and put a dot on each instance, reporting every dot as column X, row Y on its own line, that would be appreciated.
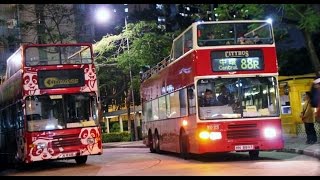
column 239, row 11
column 51, row 23
column 148, row 45
column 291, row 63
column 307, row 18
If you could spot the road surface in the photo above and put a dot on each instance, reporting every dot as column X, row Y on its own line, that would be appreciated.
column 140, row 162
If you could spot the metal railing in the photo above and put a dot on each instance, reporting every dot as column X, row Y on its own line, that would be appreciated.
column 158, row 67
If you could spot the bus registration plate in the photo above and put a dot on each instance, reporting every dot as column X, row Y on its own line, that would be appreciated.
column 66, row 155
column 243, row 147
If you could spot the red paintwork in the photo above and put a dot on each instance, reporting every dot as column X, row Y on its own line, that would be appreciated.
column 199, row 64
column 226, row 145
column 15, row 89
column 63, row 143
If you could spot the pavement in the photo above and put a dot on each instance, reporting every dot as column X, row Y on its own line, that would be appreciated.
column 293, row 144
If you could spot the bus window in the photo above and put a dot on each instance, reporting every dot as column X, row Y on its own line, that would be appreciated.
column 239, row 97
column 155, row 109
column 48, row 112
column 52, row 55
column 234, row 33
column 183, row 102
column 188, row 43
column 178, row 46
column 162, row 108
column 191, row 100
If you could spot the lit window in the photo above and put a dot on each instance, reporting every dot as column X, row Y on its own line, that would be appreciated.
column 126, row 10
column 159, row 6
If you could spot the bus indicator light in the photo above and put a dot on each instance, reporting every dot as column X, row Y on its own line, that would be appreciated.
column 184, row 122
column 204, row 135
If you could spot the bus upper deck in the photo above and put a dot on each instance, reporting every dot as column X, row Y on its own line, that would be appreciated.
column 218, row 35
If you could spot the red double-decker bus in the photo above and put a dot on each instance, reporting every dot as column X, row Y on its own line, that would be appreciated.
column 49, row 104
column 217, row 91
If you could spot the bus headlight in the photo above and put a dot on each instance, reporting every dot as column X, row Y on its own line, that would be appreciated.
column 210, row 135
column 90, row 141
column 215, row 135
column 269, row 132
column 204, row 135
column 41, row 145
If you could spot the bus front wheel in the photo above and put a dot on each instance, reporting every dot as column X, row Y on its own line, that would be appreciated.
column 254, row 154
column 81, row 159
column 184, row 146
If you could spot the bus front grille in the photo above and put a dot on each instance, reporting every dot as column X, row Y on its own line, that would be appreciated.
column 238, row 134
column 66, row 140
column 235, row 126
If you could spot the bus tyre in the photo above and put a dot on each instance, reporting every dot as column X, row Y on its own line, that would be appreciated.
column 150, row 142
column 81, row 159
column 183, row 140
column 254, row 155
column 157, row 143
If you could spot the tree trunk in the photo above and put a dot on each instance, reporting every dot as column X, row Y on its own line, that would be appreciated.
column 41, row 23
column 312, row 52
column 128, row 100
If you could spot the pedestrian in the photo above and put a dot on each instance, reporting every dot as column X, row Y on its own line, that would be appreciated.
column 315, row 97
column 307, row 117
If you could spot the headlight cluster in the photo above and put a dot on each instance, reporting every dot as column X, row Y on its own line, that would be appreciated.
column 41, row 145
column 269, row 133
column 210, row 135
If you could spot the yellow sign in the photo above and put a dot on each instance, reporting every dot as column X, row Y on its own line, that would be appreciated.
column 53, row 81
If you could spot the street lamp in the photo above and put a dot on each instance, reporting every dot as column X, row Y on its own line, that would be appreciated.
column 102, row 16
column 132, row 92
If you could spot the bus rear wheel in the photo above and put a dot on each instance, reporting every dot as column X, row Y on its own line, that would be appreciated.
column 254, row 155
column 150, row 142
column 183, row 141
column 81, row 159
column 157, row 143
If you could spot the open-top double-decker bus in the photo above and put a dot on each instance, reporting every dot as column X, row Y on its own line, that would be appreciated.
column 49, row 104
column 216, row 92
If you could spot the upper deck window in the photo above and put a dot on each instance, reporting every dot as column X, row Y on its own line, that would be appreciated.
column 234, row 34
column 54, row 55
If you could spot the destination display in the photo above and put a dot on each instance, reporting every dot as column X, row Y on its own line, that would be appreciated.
column 237, row 60
column 61, row 78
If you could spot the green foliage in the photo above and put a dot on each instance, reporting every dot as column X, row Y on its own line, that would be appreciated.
column 115, row 127
column 2, row 22
column 106, row 47
column 115, row 137
column 239, row 11
column 304, row 16
column 147, row 46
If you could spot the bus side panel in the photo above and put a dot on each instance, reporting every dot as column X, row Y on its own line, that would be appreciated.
column 178, row 75
column 10, row 111
column 60, row 144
